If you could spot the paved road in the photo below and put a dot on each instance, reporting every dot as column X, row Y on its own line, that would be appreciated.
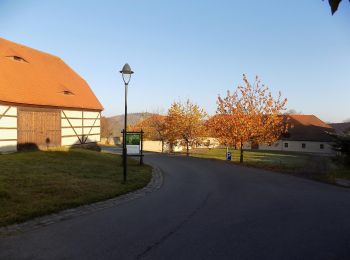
column 205, row 210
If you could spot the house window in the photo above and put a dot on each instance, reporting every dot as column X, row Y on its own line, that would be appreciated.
column 303, row 145
column 321, row 146
column 286, row 145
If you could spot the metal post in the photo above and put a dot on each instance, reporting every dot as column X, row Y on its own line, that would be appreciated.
column 141, row 156
column 125, row 154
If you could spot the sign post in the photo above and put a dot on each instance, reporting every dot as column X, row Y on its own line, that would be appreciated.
column 134, row 145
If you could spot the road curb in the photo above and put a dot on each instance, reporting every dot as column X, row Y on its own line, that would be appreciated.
column 155, row 184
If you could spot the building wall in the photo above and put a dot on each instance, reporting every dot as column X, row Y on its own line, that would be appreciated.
column 297, row 146
column 8, row 128
column 153, row 146
column 80, row 127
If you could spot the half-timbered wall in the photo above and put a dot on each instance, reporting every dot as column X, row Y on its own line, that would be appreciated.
column 80, row 127
column 8, row 128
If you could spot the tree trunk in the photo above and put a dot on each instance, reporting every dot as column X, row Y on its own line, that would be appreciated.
column 162, row 146
column 187, row 149
column 241, row 156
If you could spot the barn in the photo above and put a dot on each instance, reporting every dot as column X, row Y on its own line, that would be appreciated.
column 43, row 102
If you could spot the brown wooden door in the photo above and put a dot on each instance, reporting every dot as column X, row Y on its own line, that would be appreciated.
column 41, row 128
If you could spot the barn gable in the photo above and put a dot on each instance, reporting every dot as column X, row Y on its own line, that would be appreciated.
column 29, row 76
column 43, row 102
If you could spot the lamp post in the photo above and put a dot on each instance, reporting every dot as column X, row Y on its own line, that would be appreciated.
column 126, row 74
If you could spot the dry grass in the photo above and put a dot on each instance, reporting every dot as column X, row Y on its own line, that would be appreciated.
column 37, row 183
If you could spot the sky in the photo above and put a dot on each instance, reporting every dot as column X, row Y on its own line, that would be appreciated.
column 197, row 50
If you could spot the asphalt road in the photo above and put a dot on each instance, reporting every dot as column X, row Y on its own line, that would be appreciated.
column 205, row 210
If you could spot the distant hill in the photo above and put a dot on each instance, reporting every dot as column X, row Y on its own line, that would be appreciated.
column 117, row 122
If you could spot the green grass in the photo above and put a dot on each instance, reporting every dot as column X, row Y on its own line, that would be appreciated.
column 260, row 159
column 340, row 171
column 38, row 183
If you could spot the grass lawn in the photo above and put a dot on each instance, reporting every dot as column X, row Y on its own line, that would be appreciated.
column 340, row 172
column 321, row 168
column 260, row 159
column 37, row 183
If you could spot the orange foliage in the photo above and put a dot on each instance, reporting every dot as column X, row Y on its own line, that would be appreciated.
column 153, row 127
column 185, row 123
column 250, row 114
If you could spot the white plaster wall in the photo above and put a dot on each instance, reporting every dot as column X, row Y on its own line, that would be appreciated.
column 153, row 146
column 71, row 113
column 85, row 124
column 8, row 122
column 11, row 112
column 91, row 122
column 70, row 140
column 71, row 131
column 296, row 146
column 73, row 122
column 8, row 146
column 8, row 134
column 89, row 114
column 8, row 137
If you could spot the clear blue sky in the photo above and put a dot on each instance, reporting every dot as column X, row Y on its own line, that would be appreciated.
column 183, row 49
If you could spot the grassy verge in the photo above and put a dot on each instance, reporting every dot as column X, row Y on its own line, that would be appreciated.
column 38, row 183
column 321, row 168
column 259, row 159
column 340, row 171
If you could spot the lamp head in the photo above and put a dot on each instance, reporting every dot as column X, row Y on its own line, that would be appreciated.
column 126, row 73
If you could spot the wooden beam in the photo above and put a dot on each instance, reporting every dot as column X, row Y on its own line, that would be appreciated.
column 2, row 115
column 91, row 128
column 72, row 127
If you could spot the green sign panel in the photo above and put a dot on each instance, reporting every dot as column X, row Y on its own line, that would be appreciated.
column 133, row 139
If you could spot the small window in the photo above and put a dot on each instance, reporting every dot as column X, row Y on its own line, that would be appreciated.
column 303, row 145
column 17, row 58
column 321, row 146
column 67, row 92
column 286, row 145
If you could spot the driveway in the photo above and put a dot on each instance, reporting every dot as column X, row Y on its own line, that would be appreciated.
column 206, row 209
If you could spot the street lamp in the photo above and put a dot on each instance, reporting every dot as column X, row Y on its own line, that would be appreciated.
column 126, row 74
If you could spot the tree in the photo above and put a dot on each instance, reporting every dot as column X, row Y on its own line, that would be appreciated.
column 342, row 144
column 251, row 114
column 106, row 128
column 185, row 123
column 334, row 4
column 222, row 127
column 153, row 127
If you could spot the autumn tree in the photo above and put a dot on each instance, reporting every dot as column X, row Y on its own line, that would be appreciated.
column 185, row 123
column 222, row 127
column 153, row 127
column 251, row 114
column 106, row 128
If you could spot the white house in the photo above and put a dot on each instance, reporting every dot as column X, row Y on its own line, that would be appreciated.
column 305, row 133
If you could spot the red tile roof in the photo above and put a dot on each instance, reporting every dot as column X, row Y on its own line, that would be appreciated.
column 29, row 76
column 307, row 128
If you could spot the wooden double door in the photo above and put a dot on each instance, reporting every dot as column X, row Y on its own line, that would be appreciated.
column 39, row 128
